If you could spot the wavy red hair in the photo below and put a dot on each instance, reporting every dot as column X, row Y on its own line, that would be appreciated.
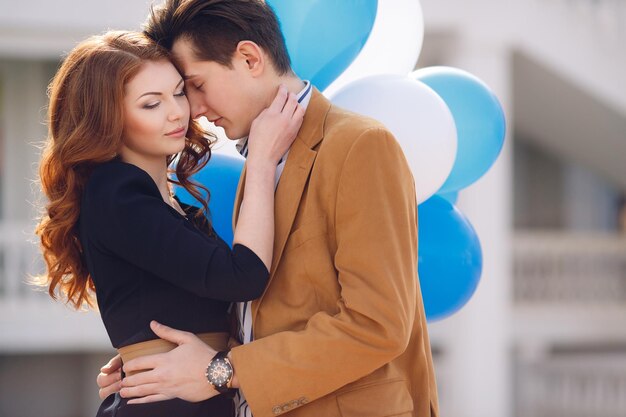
column 85, row 125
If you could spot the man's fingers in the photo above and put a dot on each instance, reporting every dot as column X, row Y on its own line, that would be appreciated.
column 143, row 363
column 175, row 336
column 139, row 391
column 149, row 399
column 113, row 365
column 279, row 101
column 140, row 378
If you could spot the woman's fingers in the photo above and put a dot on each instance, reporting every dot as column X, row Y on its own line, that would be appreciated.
column 290, row 105
column 274, row 129
column 296, row 119
column 279, row 101
column 109, row 384
column 109, row 378
column 298, row 114
column 114, row 364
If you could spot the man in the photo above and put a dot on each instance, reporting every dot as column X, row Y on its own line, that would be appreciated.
column 340, row 329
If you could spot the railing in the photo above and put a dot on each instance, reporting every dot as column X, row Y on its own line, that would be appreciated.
column 569, row 269
column 569, row 295
column 29, row 320
column 20, row 260
column 583, row 385
column 611, row 12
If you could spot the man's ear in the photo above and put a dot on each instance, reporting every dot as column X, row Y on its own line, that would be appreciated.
column 253, row 56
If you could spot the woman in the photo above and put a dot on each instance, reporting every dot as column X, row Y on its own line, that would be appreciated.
column 118, row 117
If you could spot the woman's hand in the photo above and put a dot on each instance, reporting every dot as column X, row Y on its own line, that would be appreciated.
column 275, row 128
column 109, row 379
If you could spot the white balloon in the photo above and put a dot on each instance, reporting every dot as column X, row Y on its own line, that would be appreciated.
column 418, row 118
column 393, row 45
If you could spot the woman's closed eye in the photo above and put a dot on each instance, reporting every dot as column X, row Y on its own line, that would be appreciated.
column 151, row 105
column 155, row 104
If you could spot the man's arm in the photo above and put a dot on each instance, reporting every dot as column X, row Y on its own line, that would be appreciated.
column 177, row 373
column 376, row 263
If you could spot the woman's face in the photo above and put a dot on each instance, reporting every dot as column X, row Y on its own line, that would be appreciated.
column 156, row 113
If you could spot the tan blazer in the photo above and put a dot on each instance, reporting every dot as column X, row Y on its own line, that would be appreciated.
column 341, row 329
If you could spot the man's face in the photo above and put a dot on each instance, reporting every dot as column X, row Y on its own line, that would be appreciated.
column 227, row 97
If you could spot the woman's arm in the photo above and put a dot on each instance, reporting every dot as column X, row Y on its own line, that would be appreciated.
column 271, row 134
column 125, row 215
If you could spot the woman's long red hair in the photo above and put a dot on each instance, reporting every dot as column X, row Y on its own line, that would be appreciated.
column 85, row 125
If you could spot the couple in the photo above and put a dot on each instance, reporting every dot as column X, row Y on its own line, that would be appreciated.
column 328, row 310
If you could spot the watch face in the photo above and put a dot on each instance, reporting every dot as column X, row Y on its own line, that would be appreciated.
column 219, row 372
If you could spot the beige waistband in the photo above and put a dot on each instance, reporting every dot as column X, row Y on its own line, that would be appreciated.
column 218, row 341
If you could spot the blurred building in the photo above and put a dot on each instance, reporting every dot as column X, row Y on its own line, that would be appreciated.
column 544, row 334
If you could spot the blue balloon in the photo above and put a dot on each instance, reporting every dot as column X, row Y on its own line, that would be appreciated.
column 221, row 177
column 452, row 196
column 449, row 258
column 324, row 36
column 479, row 119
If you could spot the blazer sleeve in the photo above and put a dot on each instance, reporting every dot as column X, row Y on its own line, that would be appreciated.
column 376, row 263
column 130, row 220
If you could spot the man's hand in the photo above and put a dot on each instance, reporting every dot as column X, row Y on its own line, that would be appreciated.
column 110, row 377
column 177, row 373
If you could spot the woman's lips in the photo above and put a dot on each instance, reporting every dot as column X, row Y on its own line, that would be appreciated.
column 178, row 133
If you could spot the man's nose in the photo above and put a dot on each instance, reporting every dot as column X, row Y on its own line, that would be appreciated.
column 199, row 110
column 197, row 105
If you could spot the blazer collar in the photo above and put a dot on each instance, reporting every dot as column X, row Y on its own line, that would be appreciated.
column 312, row 129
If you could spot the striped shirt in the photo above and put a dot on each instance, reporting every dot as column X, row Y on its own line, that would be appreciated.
column 244, row 310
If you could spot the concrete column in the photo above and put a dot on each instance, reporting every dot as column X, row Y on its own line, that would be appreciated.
column 475, row 342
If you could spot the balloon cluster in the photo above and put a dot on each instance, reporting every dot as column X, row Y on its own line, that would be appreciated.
column 448, row 122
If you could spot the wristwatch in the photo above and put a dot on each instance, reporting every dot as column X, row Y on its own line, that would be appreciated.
column 220, row 372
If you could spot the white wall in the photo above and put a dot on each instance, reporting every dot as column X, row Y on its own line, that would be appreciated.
column 581, row 39
column 23, row 129
column 46, row 29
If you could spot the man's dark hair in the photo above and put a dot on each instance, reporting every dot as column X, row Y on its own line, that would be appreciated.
column 215, row 27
